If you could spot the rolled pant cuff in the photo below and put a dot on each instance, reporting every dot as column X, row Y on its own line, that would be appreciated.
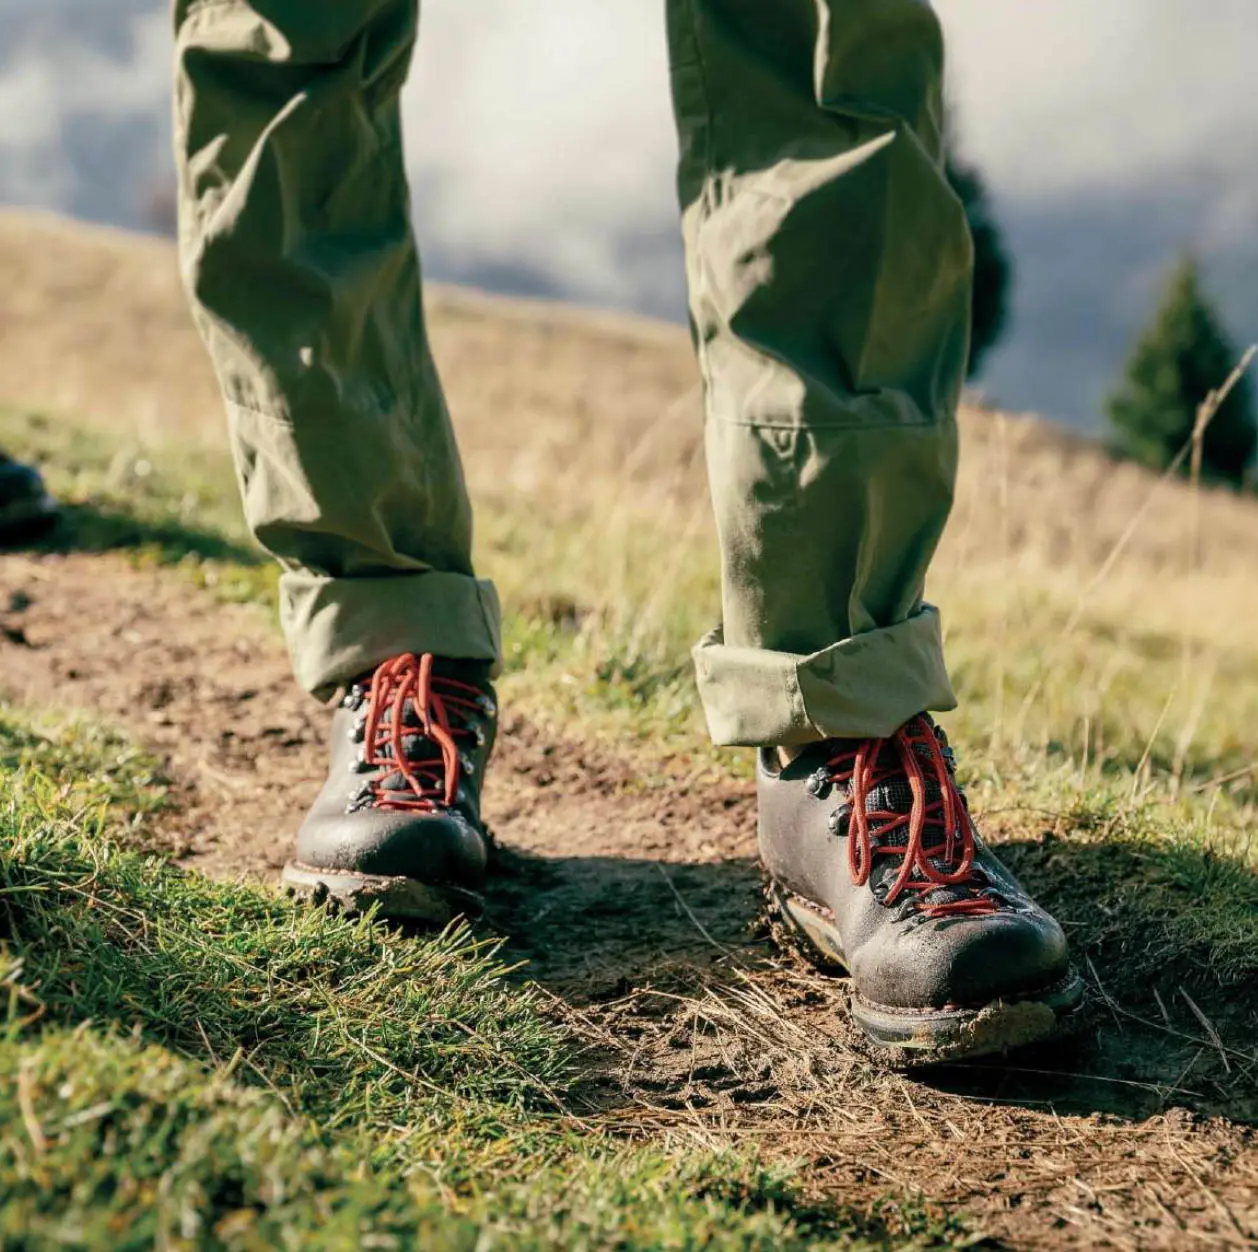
column 340, row 628
column 866, row 686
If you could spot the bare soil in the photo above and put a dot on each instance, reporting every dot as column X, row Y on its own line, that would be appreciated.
column 630, row 893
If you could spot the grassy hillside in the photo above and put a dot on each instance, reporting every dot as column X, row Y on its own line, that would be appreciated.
column 265, row 1072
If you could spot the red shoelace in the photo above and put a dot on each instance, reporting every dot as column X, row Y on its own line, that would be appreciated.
column 443, row 707
column 939, row 831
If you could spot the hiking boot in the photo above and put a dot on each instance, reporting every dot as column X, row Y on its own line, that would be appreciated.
column 876, row 867
column 398, row 821
column 25, row 506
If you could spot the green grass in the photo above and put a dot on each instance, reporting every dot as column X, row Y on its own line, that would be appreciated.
column 1154, row 890
column 283, row 1077
column 189, row 1063
column 161, row 511
column 81, row 765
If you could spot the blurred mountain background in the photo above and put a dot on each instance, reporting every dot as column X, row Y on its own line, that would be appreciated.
column 1112, row 138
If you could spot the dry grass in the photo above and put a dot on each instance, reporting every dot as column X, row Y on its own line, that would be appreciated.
column 1045, row 1150
column 1100, row 633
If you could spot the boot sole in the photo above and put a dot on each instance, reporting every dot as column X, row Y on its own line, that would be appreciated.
column 395, row 897
column 911, row 1038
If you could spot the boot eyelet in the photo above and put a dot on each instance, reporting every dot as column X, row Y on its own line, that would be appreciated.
column 468, row 765
column 819, row 784
column 481, row 738
column 488, row 707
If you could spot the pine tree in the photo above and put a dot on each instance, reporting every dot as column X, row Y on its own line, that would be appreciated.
column 993, row 270
column 1181, row 357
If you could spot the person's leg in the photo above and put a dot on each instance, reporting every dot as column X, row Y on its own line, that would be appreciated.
column 295, row 236
column 830, row 273
column 829, row 267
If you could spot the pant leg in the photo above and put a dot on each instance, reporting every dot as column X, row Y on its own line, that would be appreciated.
column 829, row 268
column 297, row 250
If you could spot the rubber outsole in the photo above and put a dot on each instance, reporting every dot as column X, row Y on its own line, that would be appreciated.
column 911, row 1038
column 395, row 897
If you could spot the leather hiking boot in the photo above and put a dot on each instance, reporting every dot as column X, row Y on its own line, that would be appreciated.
column 876, row 867
column 398, row 821
column 25, row 506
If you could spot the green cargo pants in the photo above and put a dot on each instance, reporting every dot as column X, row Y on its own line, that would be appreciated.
column 829, row 269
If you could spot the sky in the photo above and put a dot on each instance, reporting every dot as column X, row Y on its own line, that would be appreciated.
column 1113, row 134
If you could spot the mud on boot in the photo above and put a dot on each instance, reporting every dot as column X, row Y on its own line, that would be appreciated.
column 398, row 820
column 876, row 867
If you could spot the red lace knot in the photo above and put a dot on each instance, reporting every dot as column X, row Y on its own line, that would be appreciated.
column 444, row 716
column 937, row 844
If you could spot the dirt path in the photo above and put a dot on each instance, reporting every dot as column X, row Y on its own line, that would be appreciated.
column 635, row 899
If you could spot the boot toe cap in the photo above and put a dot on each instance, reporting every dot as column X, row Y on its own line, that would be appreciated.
column 964, row 961
column 434, row 848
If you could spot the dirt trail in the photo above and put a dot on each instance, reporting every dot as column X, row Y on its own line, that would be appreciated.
column 208, row 688
column 635, row 899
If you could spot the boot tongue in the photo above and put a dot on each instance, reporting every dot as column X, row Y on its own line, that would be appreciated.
column 471, row 679
column 895, row 795
column 416, row 747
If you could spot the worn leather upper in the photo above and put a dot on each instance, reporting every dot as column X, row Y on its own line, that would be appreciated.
column 898, row 955
column 351, row 826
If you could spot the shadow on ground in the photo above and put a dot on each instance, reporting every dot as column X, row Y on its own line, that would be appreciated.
column 637, row 947
column 97, row 528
